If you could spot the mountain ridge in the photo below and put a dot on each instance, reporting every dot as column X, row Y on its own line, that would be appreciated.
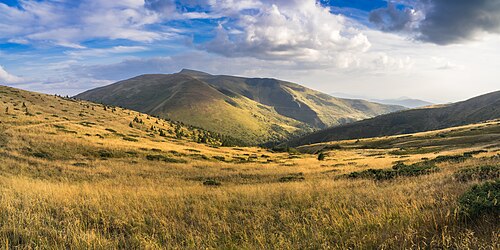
column 476, row 109
column 253, row 109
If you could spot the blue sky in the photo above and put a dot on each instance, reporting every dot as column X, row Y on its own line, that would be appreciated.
column 431, row 49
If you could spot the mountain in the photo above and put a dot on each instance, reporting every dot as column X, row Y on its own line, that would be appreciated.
column 255, row 110
column 405, row 102
column 402, row 101
column 481, row 108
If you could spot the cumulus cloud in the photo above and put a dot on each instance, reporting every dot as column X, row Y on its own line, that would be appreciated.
column 289, row 30
column 441, row 22
column 7, row 78
column 69, row 23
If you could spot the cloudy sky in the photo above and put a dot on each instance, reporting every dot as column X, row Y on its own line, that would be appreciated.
column 437, row 50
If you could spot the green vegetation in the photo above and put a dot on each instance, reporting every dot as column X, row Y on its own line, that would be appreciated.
column 292, row 177
column 321, row 156
column 164, row 158
column 398, row 170
column 479, row 173
column 481, row 199
column 211, row 183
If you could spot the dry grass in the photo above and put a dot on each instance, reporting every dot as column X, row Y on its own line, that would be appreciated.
column 61, row 189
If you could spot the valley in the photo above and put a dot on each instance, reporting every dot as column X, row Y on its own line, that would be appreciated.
column 85, row 175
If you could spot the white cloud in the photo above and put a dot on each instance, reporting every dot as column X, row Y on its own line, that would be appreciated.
column 290, row 30
column 105, row 51
column 70, row 23
column 7, row 78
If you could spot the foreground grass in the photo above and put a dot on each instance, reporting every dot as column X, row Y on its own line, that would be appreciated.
column 61, row 189
column 421, row 212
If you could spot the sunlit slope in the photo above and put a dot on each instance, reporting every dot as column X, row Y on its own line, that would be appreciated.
column 112, row 178
column 45, row 126
column 477, row 109
column 252, row 109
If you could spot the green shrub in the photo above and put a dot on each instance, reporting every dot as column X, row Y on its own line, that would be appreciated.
column 211, row 182
column 80, row 164
column 219, row 157
column 321, row 156
column 43, row 155
column 481, row 199
column 164, row 158
column 452, row 158
column 292, row 177
column 130, row 139
column 398, row 170
column 475, row 152
column 105, row 153
column 376, row 174
column 415, row 169
column 480, row 173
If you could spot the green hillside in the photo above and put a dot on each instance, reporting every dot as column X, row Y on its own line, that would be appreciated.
column 255, row 110
column 478, row 109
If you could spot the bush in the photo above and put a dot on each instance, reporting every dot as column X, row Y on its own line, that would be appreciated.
column 43, row 155
column 481, row 199
column 376, row 174
column 480, row 173
column 130, row 139
column 219, row 158
column 292, row 177
column 211, row 182
column 105, row 153
column 321, row 156
column 398, row 170
column 475, row 152
column 452, row 158
column 415, row 169
column 164, row 158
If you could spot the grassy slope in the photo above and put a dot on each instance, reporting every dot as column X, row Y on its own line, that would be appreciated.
column 474, row 110
column 60, row 188
column 252, row 109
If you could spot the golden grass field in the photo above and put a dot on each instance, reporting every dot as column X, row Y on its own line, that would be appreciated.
column 67, row 182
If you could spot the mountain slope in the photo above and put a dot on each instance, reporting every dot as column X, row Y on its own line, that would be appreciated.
column 252, row 109
column 481, row 108
column 405, row 102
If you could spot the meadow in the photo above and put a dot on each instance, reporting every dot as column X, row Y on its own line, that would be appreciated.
column 75, row 174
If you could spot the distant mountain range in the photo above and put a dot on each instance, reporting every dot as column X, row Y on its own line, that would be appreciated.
column 402, row 101
column 405, row 102
column 255, row 110
column 481, row 108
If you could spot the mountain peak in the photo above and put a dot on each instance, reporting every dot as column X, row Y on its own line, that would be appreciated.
column 191, row 72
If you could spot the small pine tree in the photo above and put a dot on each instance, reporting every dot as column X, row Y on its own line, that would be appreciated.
column 131, row 125
column 321, row 156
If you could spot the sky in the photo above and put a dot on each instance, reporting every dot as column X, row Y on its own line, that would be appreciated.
column 436, row 50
